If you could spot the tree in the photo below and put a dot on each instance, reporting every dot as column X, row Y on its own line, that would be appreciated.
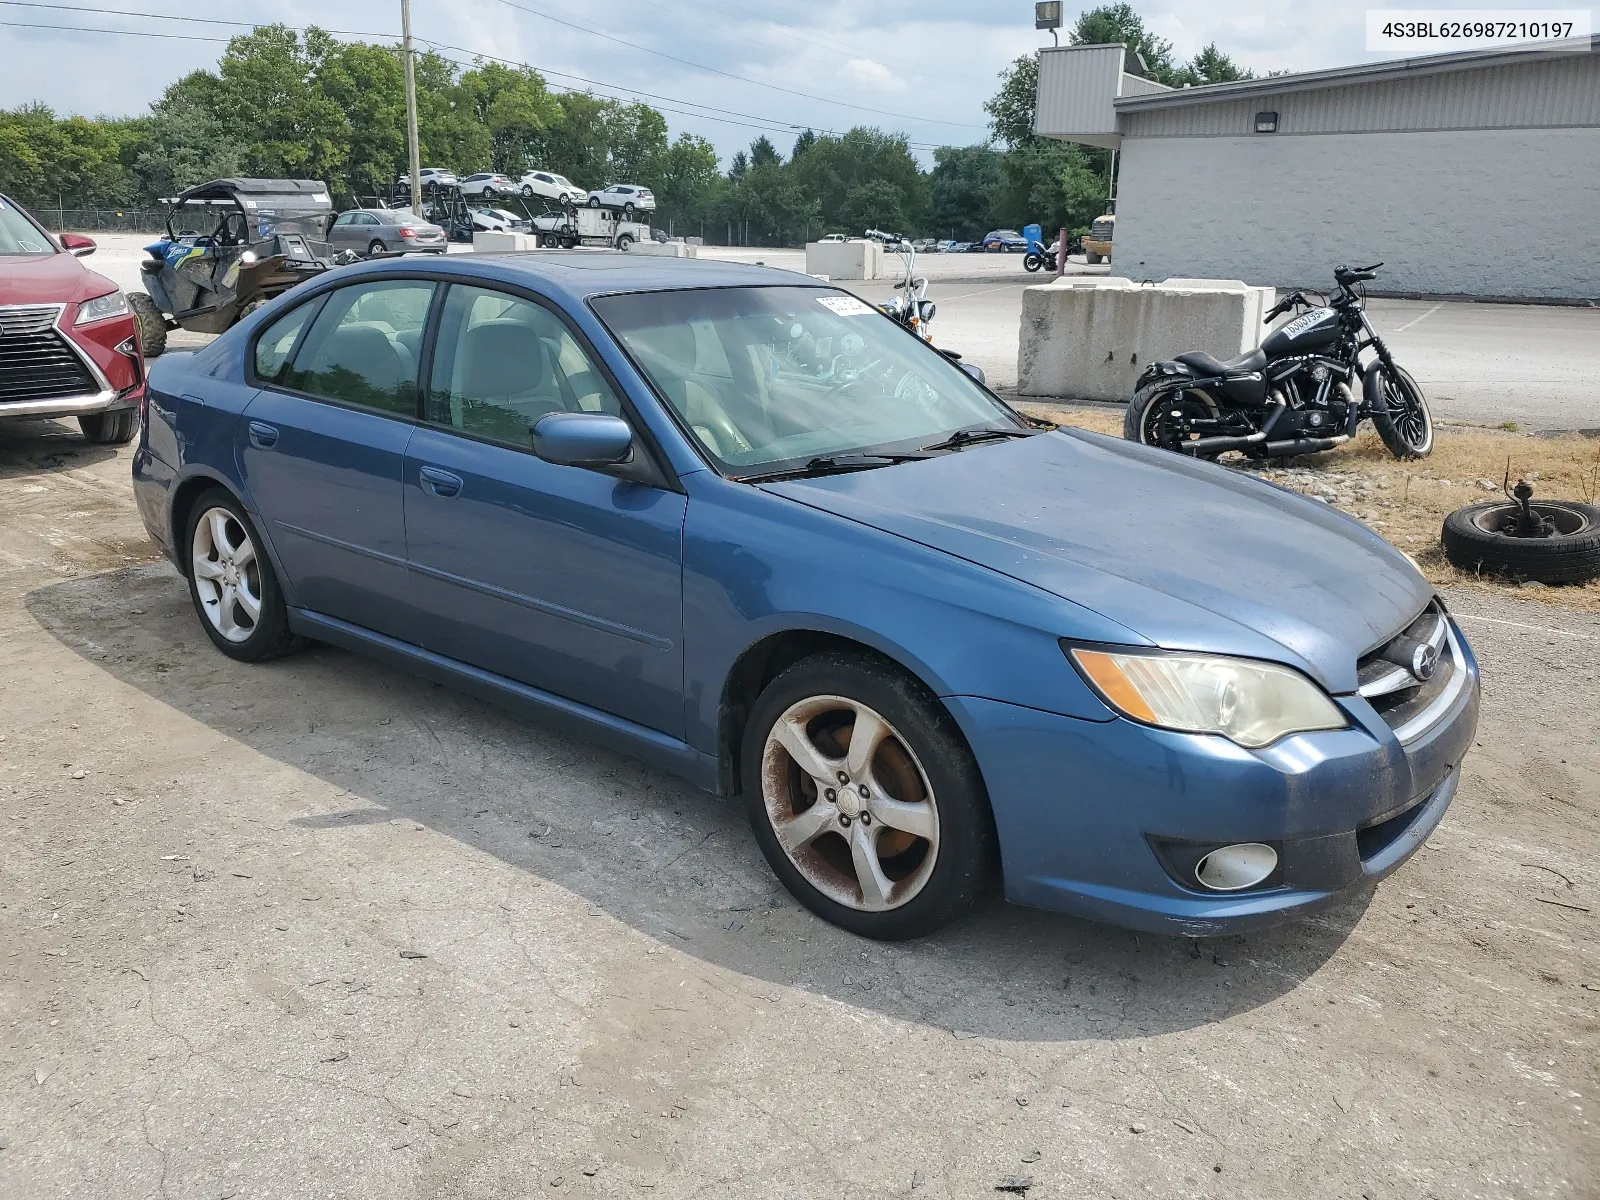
column 967, row 184
column 1211, row 65
column 1058, row 184
column 763, row 153
column 1119, row 23
column 514, row 105
column 865, row 178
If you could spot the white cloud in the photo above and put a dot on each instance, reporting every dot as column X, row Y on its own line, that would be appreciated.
column 867, row 73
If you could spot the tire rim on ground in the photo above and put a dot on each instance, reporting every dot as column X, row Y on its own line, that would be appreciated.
column 1502, row 518
column 850, row 804
column 226, row 574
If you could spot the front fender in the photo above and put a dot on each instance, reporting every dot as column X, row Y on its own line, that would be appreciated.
column 1372, row 387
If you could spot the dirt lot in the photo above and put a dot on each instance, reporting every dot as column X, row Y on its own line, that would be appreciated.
column 321, row 929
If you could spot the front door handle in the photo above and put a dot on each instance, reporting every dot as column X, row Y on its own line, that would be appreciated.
column 262, row 435
column 441, row 483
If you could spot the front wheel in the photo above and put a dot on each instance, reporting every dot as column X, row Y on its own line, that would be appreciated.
column 152, row 325
column 1031, row 262
column 110, row 428
column 232, row 583
column 594, row 201
column 865, row 799
column 1405, row 422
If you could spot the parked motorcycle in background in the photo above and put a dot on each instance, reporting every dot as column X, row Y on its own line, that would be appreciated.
column 1293, row 395
column 911, row 308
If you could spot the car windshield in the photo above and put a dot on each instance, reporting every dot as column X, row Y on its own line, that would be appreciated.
column 18, row 235
column 771, row 378
column 564, row 181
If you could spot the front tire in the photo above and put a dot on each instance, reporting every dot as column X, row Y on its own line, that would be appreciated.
column 152, row 325
column 1091, row 257
column 865, row 799
column 1406, row 425
column 232, row 584
column 110, row 428
column 594, row 201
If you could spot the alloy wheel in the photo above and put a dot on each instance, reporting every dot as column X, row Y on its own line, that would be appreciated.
column 1408, row 412
column 227, row 575
column 850, row 804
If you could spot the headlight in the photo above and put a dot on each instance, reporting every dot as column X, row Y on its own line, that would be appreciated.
column 112, row 304
column 1248, row 702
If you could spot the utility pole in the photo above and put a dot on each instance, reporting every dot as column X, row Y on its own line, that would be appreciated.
column 411, row 110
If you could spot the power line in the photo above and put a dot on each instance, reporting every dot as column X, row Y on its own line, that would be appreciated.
column 729, row 74
column 145, row 16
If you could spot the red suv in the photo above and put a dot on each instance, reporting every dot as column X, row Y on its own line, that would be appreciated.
column 69, row 344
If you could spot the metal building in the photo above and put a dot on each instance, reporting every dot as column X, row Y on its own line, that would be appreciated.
column 1470, row 174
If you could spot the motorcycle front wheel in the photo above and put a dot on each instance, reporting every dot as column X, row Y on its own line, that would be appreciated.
column 1032, row 262
column 1406, row 423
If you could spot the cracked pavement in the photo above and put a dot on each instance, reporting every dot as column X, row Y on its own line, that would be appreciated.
column 320, row 929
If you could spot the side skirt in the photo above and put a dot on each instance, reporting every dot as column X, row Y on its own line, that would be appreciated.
column 615, row 733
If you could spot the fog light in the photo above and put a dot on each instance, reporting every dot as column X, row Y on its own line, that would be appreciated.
column 1234, row 868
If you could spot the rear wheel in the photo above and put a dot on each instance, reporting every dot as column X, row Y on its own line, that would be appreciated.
column 152, row 325
column 1031, row 262
column 232, row 583
column 527, row 191
column 110, row 428
column 1090, row 257
column 1159, row 415
column 865, row 799
column 377, row 247
column 1406, row 426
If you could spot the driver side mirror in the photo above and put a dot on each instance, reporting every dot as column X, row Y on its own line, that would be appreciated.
column 77, row 245
column 582, row 439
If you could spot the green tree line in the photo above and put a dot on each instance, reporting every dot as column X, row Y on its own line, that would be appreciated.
column 283, row 104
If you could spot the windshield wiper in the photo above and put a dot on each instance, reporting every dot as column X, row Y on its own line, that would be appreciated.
column 834, row 464
column 981, row 433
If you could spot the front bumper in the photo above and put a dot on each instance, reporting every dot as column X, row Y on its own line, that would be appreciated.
column 1088, row 812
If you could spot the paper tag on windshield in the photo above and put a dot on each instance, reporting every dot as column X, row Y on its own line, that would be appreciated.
column 844, row 306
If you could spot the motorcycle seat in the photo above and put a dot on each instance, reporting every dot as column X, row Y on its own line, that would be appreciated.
column 1206, row 365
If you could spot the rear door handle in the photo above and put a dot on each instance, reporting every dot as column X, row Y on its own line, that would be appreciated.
column 441, row 483
column 262, row 435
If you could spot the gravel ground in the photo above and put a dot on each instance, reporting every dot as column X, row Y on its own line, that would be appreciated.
column 322, row 929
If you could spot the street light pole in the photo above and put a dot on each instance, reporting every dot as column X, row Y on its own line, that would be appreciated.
column 411, row 110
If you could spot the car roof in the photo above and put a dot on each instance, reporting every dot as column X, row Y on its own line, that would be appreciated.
column 575, row 276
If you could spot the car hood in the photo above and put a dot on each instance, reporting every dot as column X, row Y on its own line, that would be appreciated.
column 1184, row 554
column 48, row 279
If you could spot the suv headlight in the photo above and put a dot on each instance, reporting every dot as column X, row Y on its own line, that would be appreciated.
column 101, row 308
column 1250, row 703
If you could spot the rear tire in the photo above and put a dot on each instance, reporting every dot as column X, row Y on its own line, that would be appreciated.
column 1143, row 425
column 110, row 428
column 377, row 247
column 527, row 192
column 1091, row 258
column 1473, row 542
column 1409, row 433
column 916, row 852
column 152, row 325
column 1032, row 262
column 229, row 572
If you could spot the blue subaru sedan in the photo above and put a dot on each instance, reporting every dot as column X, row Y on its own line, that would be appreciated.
column 742, row 525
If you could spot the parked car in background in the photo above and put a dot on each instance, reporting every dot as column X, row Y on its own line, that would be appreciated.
column 621, row 500
column 924, row 245
column 833, row 237
column 626, row 196
column 485, row 185
column 370, row 231
column 432, row 178
column 69, row 343
column 1005, row 239
column 1097, row 242
column 549, row 186
column 499, row 220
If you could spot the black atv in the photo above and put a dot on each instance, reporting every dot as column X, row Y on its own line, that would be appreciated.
column 231, row 245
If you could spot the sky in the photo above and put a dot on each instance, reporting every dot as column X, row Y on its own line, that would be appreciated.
column 775, row 68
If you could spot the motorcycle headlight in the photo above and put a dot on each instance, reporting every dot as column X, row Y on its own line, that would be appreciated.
column 926, row 309
column 1250, row 703
column 102, row 308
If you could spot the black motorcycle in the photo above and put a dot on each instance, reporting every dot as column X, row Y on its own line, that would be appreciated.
column 1293, row 395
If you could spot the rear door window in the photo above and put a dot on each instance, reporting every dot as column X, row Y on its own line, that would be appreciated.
column 275, row 345
column 363, row 346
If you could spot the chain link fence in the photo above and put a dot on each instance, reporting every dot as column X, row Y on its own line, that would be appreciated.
column 98, row 220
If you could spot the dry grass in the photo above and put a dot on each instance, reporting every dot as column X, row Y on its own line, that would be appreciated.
column 1406, row 502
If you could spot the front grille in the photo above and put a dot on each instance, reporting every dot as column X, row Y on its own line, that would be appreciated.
column 1101, row 231
column 1393, row 691
column 35, row 361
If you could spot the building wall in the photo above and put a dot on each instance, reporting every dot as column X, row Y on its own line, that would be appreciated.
column 1558, row 91
column 1494, row 212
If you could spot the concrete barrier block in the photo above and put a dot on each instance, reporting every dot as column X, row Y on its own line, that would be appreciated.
column 498, row 242
column 663, row 249
column 844, row 260
column 1090, row 339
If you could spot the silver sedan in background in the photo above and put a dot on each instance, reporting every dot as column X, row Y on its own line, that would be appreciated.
column 374, row 231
